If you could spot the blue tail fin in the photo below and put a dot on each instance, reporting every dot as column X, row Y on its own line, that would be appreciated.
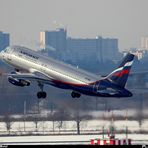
column 120, row 75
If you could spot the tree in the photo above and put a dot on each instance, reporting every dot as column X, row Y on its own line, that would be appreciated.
column 77, row 115
column 8, row 122
column 36, row 119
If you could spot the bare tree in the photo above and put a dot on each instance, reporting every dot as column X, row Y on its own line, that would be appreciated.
column 50, row 117
column 36, row 119
column 77, row 115
column 8, row 122
column 61, row 115
column 139, row 111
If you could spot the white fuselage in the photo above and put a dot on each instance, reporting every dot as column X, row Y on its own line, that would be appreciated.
column 25, row 59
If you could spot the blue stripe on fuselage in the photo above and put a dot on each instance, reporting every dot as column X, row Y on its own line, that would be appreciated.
column 91, row 89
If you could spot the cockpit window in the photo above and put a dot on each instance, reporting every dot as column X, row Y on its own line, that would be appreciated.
column 7, row 50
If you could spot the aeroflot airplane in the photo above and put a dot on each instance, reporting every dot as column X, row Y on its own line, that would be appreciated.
column 31, row 66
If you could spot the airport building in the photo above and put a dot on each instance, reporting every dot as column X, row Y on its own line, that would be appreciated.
column 4, row 40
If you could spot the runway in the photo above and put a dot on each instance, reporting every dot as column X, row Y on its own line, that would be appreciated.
column 137, row 139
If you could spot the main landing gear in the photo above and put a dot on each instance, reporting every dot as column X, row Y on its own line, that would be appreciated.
column 41, row 94
column 75, row 95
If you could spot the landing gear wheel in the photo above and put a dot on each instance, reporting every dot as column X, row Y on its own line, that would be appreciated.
column 78, row 95
column 41, row 94
column 75, row 95
column 44, row 94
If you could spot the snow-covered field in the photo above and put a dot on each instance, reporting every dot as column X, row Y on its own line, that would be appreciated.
column 58, row 127
column 65, row 132
column 93, row 128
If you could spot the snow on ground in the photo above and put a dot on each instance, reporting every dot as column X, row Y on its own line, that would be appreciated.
column 93, row 127
column 68, row 139
column 71, row 125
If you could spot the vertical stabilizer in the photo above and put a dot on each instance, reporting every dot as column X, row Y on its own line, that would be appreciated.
column 120, row 75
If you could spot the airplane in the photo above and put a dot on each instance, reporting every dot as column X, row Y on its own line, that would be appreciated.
column 30, row 65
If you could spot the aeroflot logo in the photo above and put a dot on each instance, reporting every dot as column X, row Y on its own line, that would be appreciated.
column 29, row 55
column 121, row 73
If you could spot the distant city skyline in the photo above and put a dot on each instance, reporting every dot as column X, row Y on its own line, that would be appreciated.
column 78, row 49
column 122, row 19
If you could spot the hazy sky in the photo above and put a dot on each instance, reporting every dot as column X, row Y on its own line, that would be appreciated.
column 126, row 20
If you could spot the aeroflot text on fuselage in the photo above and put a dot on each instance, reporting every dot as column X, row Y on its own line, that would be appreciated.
column 27, row 54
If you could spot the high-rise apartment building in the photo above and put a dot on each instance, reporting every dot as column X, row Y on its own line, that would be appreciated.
column 80, row 49
column 4, row 40
column 55, row 39
column 77, row 49
column 97, row 48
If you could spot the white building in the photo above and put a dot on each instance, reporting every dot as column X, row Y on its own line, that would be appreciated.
column 144, row 43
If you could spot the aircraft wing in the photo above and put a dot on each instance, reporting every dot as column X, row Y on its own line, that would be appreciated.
column 37, row 76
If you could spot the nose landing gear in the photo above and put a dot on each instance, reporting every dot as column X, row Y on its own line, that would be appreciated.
column 41, row 94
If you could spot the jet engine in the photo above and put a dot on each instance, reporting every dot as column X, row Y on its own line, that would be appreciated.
column 18, row 82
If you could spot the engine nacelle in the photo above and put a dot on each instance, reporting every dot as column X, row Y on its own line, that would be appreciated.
column 18, row 82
